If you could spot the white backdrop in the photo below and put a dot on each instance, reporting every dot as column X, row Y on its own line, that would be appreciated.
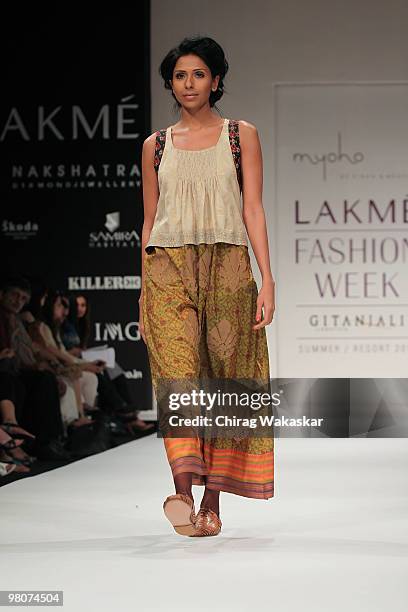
column 342, row 229
column 269, row 42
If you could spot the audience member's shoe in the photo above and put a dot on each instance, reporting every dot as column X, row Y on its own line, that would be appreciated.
column 125, row 416
column 207, row 523
column 6, row 468
column 80, row 422
column 16, row 431
column 90, row 409
column 21, row 455
column 128, row 412
column 12, row 447
column 20, row 466
column 53, row 451
column 117, row 427
column 12, row 443
column 138, row 425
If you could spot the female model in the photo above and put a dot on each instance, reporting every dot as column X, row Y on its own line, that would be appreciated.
column 200, row 310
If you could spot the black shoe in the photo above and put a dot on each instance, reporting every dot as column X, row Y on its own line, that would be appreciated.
column 53, row 451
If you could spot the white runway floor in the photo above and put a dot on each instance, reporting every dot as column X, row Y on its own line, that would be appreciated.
column 333, row 538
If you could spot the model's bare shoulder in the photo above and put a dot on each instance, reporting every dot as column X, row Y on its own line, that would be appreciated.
column 246, row 125
column 248, row 132
column 149, row 146
column 150, row 141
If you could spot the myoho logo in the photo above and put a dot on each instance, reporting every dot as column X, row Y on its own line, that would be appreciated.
column 333, row 157
column 113, row 237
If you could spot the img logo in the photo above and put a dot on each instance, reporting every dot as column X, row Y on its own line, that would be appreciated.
column 117, row 331
column 332, row 157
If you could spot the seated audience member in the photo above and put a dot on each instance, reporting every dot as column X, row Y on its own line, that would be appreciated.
column 113, row 389
column 81, row 373
column 71, row 402
column 41, row 412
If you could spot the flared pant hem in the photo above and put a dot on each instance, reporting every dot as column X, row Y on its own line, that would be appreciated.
column 220, row 484
column 201, row 477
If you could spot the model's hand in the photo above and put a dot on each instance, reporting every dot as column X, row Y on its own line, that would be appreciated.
column 141, row 324
column 266, row 299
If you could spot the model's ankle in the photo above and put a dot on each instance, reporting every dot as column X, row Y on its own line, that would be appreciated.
column 182, row 492
column 212, row 502
column 211, row 506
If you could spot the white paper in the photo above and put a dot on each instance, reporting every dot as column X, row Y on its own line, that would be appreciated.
column 100, row 352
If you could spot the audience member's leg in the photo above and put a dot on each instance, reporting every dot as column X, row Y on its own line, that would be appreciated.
column 122, row 386
column 68, row 405
column 89, row 388
column 12, row 393
column 115, row 371
column 108, row 397
column 41, row 412
column 7, row 396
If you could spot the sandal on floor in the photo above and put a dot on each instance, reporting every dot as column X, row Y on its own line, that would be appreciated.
column 207, row 523
column 12, row 443
column 3, row 468
column 27, row 462
column 179, row 509
column 25, row 435
column 17, row 462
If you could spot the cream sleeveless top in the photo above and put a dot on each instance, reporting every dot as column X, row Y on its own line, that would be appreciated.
column 200, row 197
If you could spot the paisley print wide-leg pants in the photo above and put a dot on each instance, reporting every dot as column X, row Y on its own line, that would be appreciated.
column 199, row 307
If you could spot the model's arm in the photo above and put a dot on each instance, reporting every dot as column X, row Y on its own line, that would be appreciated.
column 150, row 198
column 150, row 194
column 254, row 217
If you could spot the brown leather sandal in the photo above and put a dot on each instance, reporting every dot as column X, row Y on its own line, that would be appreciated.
column 207, row 523
column 179, row 509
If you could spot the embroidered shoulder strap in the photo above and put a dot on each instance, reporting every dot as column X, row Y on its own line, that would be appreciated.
column 233, row 131
column 159, row 148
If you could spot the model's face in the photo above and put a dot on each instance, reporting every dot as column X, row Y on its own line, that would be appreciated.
column 192, row 81
column 81, row 307
column 14, row 299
